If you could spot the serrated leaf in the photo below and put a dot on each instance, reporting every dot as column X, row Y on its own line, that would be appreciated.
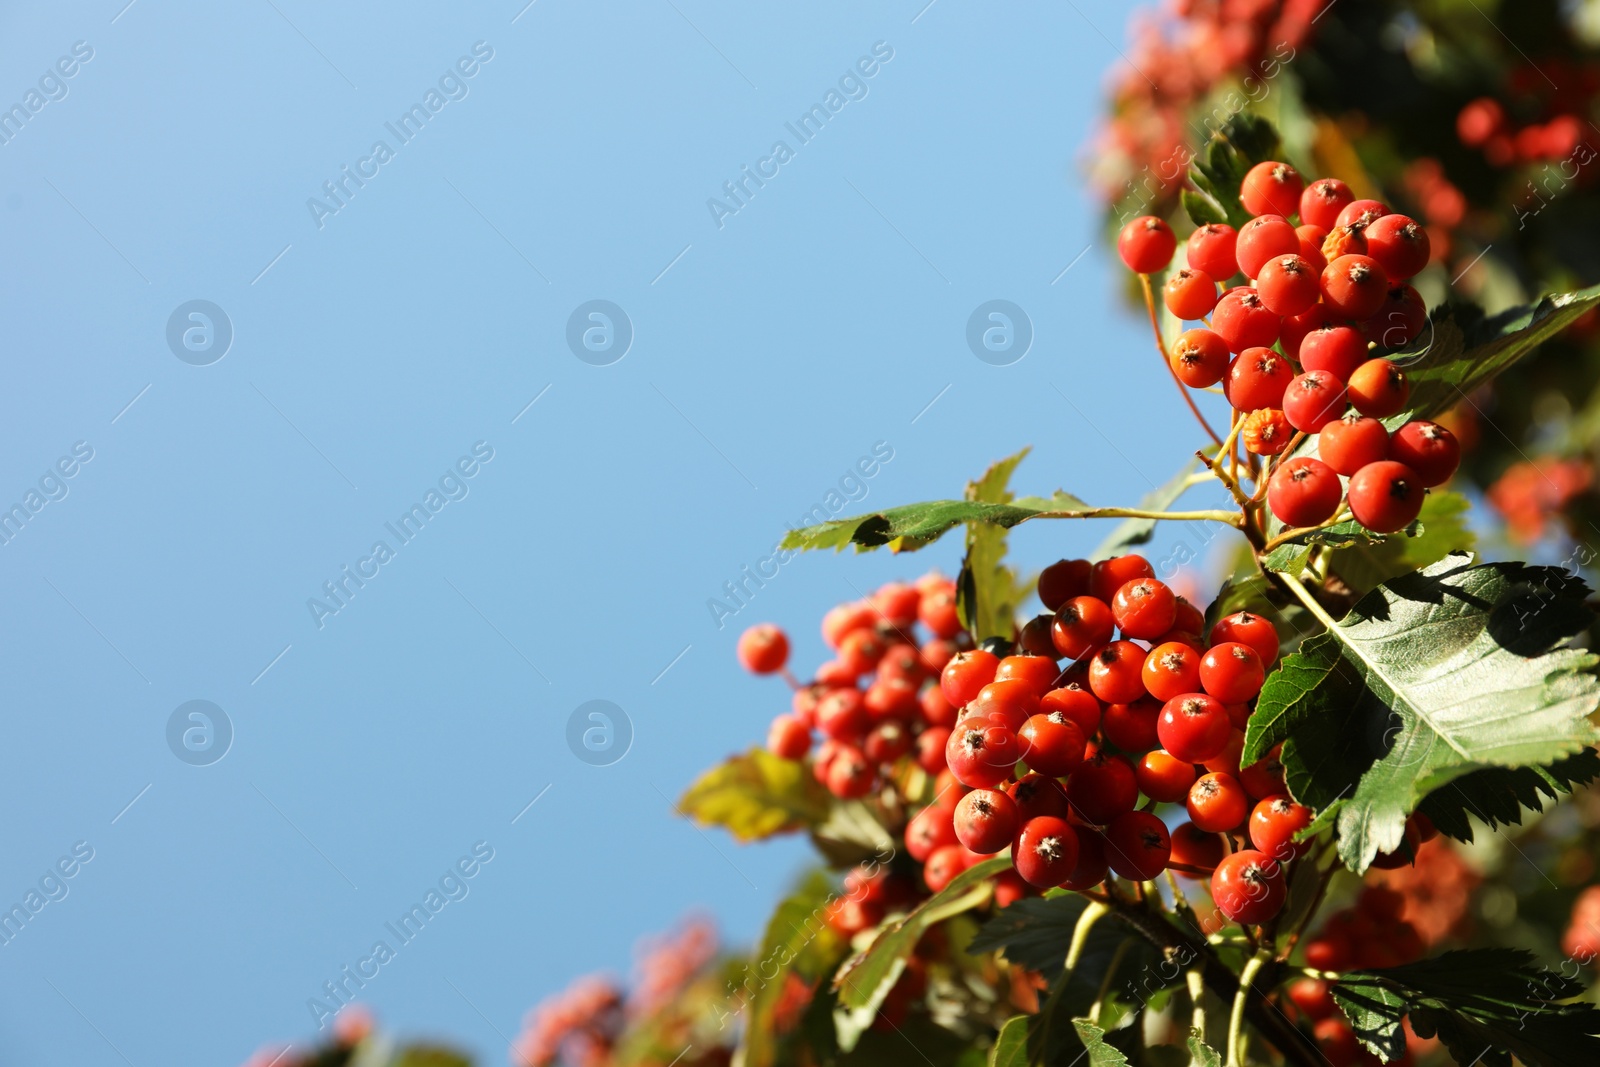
column 1131, row 532
column 1034, row 932
column 1011, row 1044
column 912, row 526
column 1094, row 1044
column 1202, row 1054
column 1443, row 530
column 1486, row 1005
column 1462, row 348
column 798, row 941
column 1291, row 556
column 852, row 834
column 1428, row 678
column 1243, row 141
column 1498, row 795
column 865, row 978
column 1201, row 209
column 757, row 795
column 988, row 595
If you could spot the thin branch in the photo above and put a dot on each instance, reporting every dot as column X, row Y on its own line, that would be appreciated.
column 1166, row 359
column 1247, row 979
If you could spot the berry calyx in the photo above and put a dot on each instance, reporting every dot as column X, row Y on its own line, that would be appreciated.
column 1355, row 286
column 1045, row 851
column 1199, row 359
column 986, row 820
column 1313, row 400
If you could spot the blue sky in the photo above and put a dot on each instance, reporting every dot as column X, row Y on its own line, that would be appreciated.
column 379, row 351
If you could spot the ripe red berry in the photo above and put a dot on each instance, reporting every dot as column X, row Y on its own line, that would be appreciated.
column 1262, row 238
column 788, row 737
column 1289, row 285
column 887, row 742
column 1138, row 845
column 1257, row 378
column 942, row 865
column 1052, row 744
column 1336, row 1042
column 981, row 755
column 1350, row 443
column 1199, row 359
column 1065, row 579
column 1296, row 328
column 1217, row 802
column 1116, row 673
column 1232, row 672
column 844, row 619
column 1243, row 321
column 931, row 828
column 1037, row 794
column 1190, row 294
column 986, row 820
column 1091, row 868
column 1322, row 201
column 1248, row 887
column 1163, row 777
column 1082, row 625
column 1045, row 851
column 1480, row 120
column 1273, row 824
column 1010, row 703
column 1304, row 492
column 1146, row 244
column 1144, row 608
column 763, row 649
column 1103, row 787
column 1399, row 244
column 1355, row 286
column 1313, row 400
column 1271, row 188
column 860, row 651
column 1378, row 388
column 842, row 714
column 851, row 774
column 1036, row 672
column 1339, row 350
column 1076, row 704
column 1108, row 575
column 1195, row 847
column 1131, row 727
column 1194, row 727
column 1363, row 212
column 1311, row 241
column 1313, row 997
column 1400, row 320
column 1343, row 241
column 1264, row 777
column 896, row 604
column 930, row 747
column 1428, row 449
column 1170, row 670
column 1386, row 496
column 936, row 610
column 1211, row 249
column 1266, row 432
column 936, row 707
column 1248, row 628
column 966, row 674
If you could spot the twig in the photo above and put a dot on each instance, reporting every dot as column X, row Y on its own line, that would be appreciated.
column 1166, row 359
column 1247, row 978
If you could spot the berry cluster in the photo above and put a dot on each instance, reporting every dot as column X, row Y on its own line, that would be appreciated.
column 1484, row 125
column 1300, row 351
column 579, row 1025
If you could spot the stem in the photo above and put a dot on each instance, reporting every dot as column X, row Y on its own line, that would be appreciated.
column 1302, row 594
column 1300, row 531
column 1247, row 978
column 1316, row 902
column 1166, row 359
column 1093, row 913
column 1099, row 1004
column 1197, row 990
column 1227, row 517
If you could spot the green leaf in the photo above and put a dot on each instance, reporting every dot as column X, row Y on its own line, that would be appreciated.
column 429, row 1056
column 798, row 941
column 1497, row 795
column 757, row 795
column 1486, row 1005
column 1094, row 1043
column 1443, row 530
column 1202, row 1054
column 911, row 526
column 1431, row 676
column 988, row 592
column 1131, row 532
column 866, row 978
column 852, row 834
column 1463, row 348
column 1242, row 142
column 1011, row 1046
column 1201, row 208
column 1034, row 932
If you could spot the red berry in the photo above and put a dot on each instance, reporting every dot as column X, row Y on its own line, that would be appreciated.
column 1138, row 845
column 1163, row 777
column 1037, row 794
column 1199, row 359
column 1052, row 744
column 1322, row 201
column 1091, row 868
column 1131, row 727
column 1355, row 286
column 1108, row 575
column 1399, row 244
column 1257, row 378
column 1103, row 787
column 1297, row 327
column 1045, row 851
column 986, row 820
column 1313, row 997
column 1343, row 241
column 1262, row 238
column 1116, row 673
column 1193, row 727
column 1248, row 887
column 981, row 755
column 1304, row 492
column 851, row 774
column 1386, row 496
column 1339, row 350
column 1036, row 672
column 1311, row 241
column 1065, row 578
column 1289, row 285
column 1271, row 189
column 1480, row 120
column 1313, row 400
column 1010, row 703
column 1248, row 628
column 844, row 619
column 896, row 604
column 1146, row 244
column 1364, row 212
column 1266, row 432
column 1211, row 248
column 930, row 747
column 1232, row 672
column 788, row 738
column 937, row 654
column 1428, row 449
column 1082, row 625
column 887, row 742
column 763, row 649
column 1263, row 778
column 842, row 714
column 1350, row 443
column 1400, row 320
column 1144, row 608
column 967, row 673
column 860, row 651
column 1195, row 847
column 936, row 610
column 1217, row 802
column 1170, row 670
column 1227, row 761
column 1243, row 321
column 1190, row 294
column 936, row 708
column 1336, row 1042
column 1076, row 704
column 891, row 698
column 1378, row 388
column 943, row 865
column 1273, row 824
